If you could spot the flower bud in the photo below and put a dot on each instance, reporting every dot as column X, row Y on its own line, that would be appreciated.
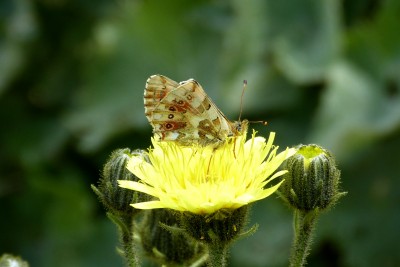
column 116, row 199
column 312, row 180
column 7, row 260
column 164, row 242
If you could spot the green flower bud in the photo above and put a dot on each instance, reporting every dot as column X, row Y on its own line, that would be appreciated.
column 116, row 199
column 7, row 260
column 312, row 180
column 164, row 242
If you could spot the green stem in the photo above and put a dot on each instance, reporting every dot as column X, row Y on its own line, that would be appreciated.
column 129, row 245
column 217, row 255
column 304, row 224
column 125, row 228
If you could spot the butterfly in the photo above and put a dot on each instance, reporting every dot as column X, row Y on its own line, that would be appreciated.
column 184, row 113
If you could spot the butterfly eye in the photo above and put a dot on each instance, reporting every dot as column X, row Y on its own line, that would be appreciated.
column 180, row 102
column 172, row 108
column 168, row 126
column 189, row 97
column 170, row 116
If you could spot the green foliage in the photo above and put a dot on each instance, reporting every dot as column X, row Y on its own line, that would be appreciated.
column 72, row 75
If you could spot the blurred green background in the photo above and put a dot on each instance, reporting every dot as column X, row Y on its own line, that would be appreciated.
column 72, row 74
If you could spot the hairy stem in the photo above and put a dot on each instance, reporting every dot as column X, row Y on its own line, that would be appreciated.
column 304, row 225
column 217, row 255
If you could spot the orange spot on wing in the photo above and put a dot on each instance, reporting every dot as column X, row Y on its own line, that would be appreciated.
column 173, row 125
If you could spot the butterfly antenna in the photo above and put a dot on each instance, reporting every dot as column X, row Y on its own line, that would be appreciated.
column 241, row 105
column 262, row 122
column 241, row 99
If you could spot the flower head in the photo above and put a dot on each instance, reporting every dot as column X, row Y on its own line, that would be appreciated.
column 205, row 179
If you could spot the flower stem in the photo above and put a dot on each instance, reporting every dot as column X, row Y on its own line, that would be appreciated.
column 129, row 249
column 129, row 245
column 304, row 225
column 217, row 255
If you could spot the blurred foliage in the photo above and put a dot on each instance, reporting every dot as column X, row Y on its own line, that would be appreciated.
column 72, row 74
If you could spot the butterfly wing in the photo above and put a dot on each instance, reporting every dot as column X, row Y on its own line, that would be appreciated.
column 184, row 113
column 157, row 87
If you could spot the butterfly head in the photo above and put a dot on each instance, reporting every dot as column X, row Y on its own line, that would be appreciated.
column 241, row 126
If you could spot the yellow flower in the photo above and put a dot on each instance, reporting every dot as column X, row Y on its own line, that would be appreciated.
column 205, row 179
